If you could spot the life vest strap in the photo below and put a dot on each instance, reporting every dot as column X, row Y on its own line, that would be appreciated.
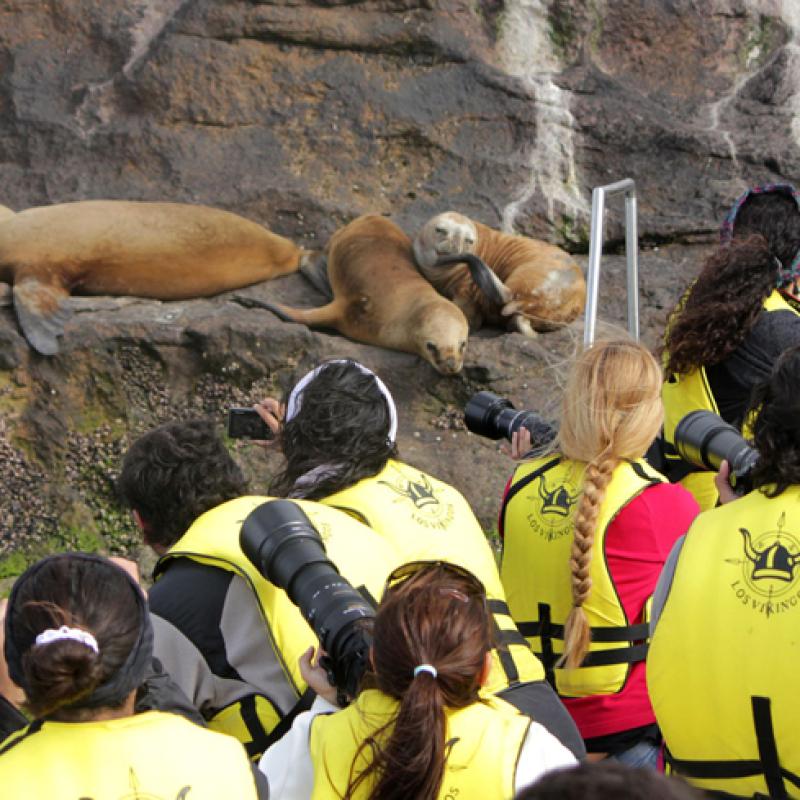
column 620, row 655
column 627, row 633
column 767, row 764
column 549, row 631
column 303, row 704
column 521, row 484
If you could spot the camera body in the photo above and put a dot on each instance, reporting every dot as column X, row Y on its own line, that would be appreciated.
column 705, row 440
column 283, row 544
column 487, row 414
column 245, row 423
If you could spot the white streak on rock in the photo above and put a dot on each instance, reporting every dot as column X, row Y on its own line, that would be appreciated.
column 527, row 53
column 97, row 107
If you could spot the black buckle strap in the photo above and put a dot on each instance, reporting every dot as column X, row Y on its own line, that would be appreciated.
column 261, row 740
column 627, row 633
column 619, row 655
column 549, row 631
column 767, row 764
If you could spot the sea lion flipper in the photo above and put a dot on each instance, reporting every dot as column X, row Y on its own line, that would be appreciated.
column 323, row 316
column 486, row 280
column 42, row 311
column 314, row 268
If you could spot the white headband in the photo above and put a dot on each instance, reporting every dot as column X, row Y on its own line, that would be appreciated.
column 76, row 634
column 295, row 396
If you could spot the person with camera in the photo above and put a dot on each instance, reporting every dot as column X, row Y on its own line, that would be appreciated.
column 586, row 529
column 420, row 728
column 229, row 638
column 725, row 649
column 734, row 321
column 78, row 640
column 338, row 437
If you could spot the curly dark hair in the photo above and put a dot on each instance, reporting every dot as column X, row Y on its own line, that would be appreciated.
column 776, row 432
column 343, row 422
column 175, row 473
column 722, row 306
column 775, row 216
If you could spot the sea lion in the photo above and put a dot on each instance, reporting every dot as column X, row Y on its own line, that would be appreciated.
column 539, row 286
column 379, row 297
column 168, row 251
column 6, row 213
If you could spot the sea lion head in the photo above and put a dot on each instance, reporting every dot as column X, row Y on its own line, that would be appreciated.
column 441, row 335
column 445, row 234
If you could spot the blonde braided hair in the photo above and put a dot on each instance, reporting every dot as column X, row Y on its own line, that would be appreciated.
column 611, row 411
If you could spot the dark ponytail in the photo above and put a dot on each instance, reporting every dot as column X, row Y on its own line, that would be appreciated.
column 436, row 617
column 65, row 676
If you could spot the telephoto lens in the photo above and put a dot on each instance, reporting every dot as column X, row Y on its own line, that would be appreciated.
column 487, row 414
column 705, row 440
column 285, row 547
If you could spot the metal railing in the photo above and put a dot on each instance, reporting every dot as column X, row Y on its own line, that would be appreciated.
column 597, row 237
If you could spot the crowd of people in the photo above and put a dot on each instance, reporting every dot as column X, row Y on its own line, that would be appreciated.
column 641, row 620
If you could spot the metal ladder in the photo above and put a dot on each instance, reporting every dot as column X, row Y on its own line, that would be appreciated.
column 597, row 236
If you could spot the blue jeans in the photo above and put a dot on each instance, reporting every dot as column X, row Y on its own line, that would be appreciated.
column 642, row 754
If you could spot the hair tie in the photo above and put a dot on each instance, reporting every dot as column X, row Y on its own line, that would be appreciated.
column 295, row 398
column 75, row 634
column 425, row 668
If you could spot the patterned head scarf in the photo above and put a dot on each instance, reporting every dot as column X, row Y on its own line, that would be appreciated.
column 786, row 275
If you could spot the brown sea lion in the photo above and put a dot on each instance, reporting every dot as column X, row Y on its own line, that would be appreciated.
column 168, row 251
column 379, row 297
column 537, row 286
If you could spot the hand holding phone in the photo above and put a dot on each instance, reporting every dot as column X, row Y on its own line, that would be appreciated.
column 246, row 423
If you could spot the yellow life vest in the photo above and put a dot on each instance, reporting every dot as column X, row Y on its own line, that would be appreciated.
column 149, row 755
column 683, row 393
column 724, row 655
column 361, row 557
column 538, row 515
column 424, row 519
column 486, row 739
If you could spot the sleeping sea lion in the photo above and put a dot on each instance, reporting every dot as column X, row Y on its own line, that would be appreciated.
column 379, row 297
column 537, row 286
column 168, row 251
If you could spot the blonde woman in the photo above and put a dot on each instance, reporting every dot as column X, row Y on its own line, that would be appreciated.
column 586, row 531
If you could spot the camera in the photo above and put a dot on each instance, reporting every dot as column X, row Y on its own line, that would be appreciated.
column 492, row 416
column 285, row 547
column 245, row 423
column 705, row 440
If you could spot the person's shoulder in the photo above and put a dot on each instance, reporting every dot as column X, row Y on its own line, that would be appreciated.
column 169, row 724
column 177, row 587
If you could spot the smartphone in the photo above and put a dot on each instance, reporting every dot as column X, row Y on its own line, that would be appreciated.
column 245, row 423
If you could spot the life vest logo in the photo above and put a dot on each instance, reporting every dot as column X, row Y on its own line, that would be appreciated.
column 428, row 509
column 769, row 581
column 554, row 517
column 139, row 794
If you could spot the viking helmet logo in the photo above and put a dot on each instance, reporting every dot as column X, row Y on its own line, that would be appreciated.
column 774, row 560
column 419, row 491
column 556, row 501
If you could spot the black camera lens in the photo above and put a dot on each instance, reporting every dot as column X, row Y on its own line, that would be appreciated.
column 283, row 544
column 487, row 414
column 705, row 440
